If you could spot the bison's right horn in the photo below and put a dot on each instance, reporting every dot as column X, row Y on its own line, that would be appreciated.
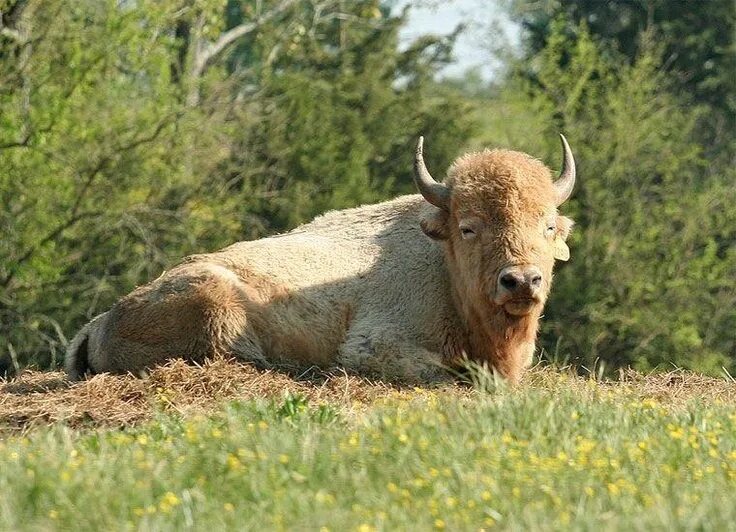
column 435, row 193
column 566, row 182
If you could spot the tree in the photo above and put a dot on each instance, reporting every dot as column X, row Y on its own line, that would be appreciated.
column 698, row 47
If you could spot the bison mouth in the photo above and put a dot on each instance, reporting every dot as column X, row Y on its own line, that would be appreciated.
column 520, row 306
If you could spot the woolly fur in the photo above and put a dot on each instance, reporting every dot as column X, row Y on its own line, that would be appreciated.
column 361, row 288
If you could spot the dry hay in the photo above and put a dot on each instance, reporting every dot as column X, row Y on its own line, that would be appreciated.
column 679, row 385
column 38, row 398
column 673, row 389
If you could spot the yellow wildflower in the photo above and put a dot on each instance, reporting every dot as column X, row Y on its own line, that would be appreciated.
column 233, row 462
column 168, row 501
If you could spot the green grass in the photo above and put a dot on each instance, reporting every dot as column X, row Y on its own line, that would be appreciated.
column 564, row 455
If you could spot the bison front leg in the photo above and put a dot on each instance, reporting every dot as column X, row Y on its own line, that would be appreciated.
column 387, row 355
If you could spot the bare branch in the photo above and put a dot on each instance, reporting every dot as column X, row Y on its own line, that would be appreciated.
column 74, row 215
column 45, row 240
column 13, row 35
column 211, row 51
column 15, row 143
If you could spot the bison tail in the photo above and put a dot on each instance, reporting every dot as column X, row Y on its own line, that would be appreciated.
column 76, row 362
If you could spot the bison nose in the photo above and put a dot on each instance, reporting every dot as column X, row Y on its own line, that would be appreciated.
column 518, row 281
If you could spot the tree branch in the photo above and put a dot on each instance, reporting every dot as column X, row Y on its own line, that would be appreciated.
column 13, row 35
column 74, row 215
column 23, row 143
column 45, row 240
column 210, row 51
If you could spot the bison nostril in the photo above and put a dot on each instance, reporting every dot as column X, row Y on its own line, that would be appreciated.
column 536, row 280
column 509, row 281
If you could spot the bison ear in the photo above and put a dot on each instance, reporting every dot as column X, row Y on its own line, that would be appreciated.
column 434, row 224
column 564, row 226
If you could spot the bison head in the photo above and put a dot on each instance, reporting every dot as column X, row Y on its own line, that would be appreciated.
column 497, row 215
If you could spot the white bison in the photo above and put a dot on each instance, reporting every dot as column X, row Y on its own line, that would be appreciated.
column 401, row 289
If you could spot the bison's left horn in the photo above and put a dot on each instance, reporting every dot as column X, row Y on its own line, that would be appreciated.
column 435, row 193
column 566, row 182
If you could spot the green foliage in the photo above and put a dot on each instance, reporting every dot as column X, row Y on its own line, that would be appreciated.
column 341, row 111
column 697, row 40
column 564, row 455
column 296, row 408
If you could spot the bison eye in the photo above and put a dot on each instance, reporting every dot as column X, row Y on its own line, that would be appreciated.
column 467, row 233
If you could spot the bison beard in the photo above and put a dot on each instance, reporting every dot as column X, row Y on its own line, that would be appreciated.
column 508, row 345
column 398, row 290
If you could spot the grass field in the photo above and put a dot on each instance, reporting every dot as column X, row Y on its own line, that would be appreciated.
column 229, row 447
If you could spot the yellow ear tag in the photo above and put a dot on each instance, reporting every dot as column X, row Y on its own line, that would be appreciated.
column 562, row 252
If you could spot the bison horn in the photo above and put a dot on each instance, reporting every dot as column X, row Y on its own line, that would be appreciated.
column 566, row 182
column 435, row 193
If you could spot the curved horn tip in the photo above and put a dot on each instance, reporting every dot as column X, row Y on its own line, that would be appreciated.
column 566, row 180
column 420, row 144
column 435, row 193
column 566, row 151
column 565, row 147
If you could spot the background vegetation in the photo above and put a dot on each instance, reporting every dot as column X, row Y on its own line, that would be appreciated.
column 133, row 133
